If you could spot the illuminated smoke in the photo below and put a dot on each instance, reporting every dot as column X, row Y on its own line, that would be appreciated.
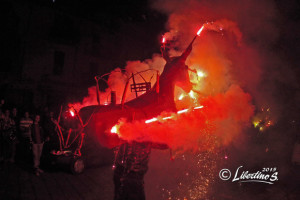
column 219, row 121
column 231, row 58
column 117, row 80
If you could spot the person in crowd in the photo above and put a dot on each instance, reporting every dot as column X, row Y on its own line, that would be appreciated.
column 25, row 124
column 130, row 167
column 25, row 130
column 2, row 103
column 1, row 136
column 16, row 135
column 49, row 128
column 8, row 127
column 38, row 138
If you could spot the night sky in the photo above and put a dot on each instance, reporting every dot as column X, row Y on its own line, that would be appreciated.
column 143, row 24
column 111, row 14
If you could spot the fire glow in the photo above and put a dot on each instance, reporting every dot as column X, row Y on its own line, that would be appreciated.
column 200, row 30
column 114, row 129
column 72, row 113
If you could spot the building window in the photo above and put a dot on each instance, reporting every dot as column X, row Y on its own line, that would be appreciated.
column 59, row 60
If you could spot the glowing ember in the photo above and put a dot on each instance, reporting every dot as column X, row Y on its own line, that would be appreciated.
column 263, row 120
column 255, row 123
column 200, row 30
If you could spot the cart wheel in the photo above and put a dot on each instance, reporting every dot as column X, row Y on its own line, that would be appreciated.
column 77, row 165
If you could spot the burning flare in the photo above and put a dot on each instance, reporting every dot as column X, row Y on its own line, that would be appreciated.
column 200, row 30
column 72, row 113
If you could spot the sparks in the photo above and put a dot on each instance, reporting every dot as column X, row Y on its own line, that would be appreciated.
column 256, row 123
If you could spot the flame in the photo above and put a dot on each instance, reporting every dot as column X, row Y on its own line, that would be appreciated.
column 170, row 117
column 163, row 40
column 200, row 30
column 114, row 129
column 201, row 74
column 151, row 120
column 181, row 97
column 192, row 94
column 191, row 99
column 182, row 111
column 72, row 113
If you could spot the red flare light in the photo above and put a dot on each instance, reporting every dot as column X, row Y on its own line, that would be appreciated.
column 170, row 117
column 114, row 129
column 200, row 30
column 72, row 113
column 163, row 40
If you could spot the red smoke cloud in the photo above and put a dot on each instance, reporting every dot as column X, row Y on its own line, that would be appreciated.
column 117, row 80
column 228, row 61
column 218, row 122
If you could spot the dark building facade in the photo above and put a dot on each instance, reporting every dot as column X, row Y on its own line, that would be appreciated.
column 51, row 56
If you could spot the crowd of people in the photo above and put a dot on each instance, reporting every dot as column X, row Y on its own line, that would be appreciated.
column 25, row 137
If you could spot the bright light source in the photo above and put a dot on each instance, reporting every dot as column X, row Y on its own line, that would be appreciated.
column 200, row 30
column 181, row 97
column 201, row 74
column 199, row 107
column 114, row 129
column 192, row 94
column 182, row 111
column 151, row 120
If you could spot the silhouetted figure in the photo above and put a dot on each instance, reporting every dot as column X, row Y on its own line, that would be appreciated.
column 131, row 164
column 25, row 138
column 8, row 128
column 38, row 139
